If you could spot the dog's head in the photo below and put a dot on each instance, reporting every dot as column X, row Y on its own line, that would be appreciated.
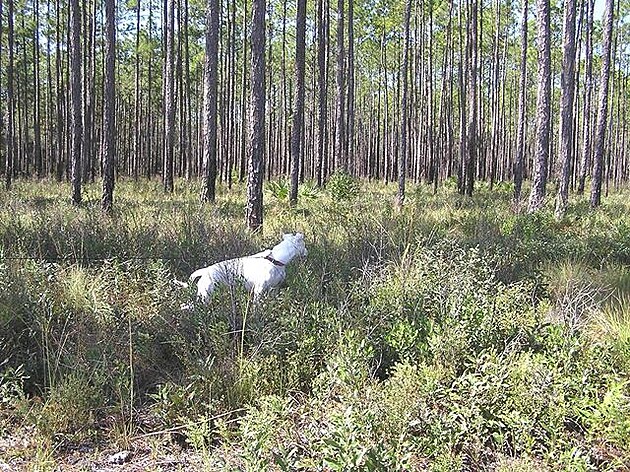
column 297, row 241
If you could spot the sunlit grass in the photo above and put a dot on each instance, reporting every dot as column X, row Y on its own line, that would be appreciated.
column 451, row 331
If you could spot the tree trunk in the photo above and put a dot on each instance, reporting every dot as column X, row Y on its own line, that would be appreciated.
column 585, row 163
column 1, row 93
column 169, row 98
column 349, row 152
column 471, row 122
column 210, row 81
column 137, row 100
column 257, row 123
column 321, row 91
column 522, row 111
column 565, row 157
column 37, row 148
column 243, row 150
column 76, row 120
column 602, row 111
column 10, row 138
column 340, row 122
column 109, row 105
column 297, row 131
column 402, row 154
column 543, row 109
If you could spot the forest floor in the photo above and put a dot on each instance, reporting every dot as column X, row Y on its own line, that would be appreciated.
column 452, row 334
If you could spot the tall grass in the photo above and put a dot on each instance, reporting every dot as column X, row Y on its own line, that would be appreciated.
column 451, row 334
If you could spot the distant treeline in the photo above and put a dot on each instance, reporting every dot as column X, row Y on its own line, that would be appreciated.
column 470, row 104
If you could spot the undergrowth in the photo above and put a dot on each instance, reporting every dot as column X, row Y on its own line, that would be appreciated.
column 452, row 334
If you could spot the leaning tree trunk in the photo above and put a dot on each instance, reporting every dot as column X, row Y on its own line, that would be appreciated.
column 210, row 84
column 297, row 131
column 109, row 111
column 76, row 123
column 543, row 109
column 602, row 112
column 567, row 84
column 257, row 122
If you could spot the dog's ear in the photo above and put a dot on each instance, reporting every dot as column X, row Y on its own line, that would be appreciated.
column 299, row 236
column 287, row 236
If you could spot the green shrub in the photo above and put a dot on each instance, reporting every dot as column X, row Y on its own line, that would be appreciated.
column 342, row 187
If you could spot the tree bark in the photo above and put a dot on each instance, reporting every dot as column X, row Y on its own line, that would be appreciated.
column 340, row 122
column 471, row 122
column 567, row 84
column 210, row 79
column 543, row 109
column 257, row 122
column 137, row 100
column 522, row 111
column 602, row 110
column 402, row 154
column 37, row 144
column 585, row 162
column 349, row 151
column 10, row 138
column 321, row 91
column 297, row 131
column 76, row 120
column 109, row 107
column 169, row 98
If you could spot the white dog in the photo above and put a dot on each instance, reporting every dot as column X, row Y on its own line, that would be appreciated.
column 259, row 272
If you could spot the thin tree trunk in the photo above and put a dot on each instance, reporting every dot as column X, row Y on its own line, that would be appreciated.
column 149, row 148
column 402, row 154
column 585, row 163
column 76, row 124
column 59, row 153
column 1, row 94
column 340, row 135
column 257, row 123
column 471, row 123
column 349, row 151
column 297, row 131
column 37, row 89
column 565, row 157
column 210, row 79
column 109, row 107
column 244, row 114
column 10, row 98
column 169, row 98
column 602, row 111
column 543, row 109
column 321, row 91
column 522, row 111
column 137, row 100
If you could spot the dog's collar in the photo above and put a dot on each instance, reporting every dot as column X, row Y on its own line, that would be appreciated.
column 275, row 262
